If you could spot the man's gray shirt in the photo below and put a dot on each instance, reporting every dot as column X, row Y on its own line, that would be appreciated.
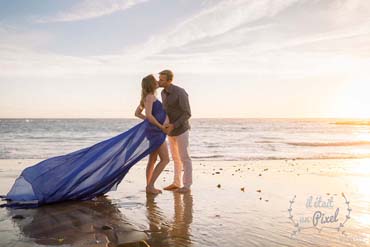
column 176, row 104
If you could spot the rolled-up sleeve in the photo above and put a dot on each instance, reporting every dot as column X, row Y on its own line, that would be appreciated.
column 185, row 107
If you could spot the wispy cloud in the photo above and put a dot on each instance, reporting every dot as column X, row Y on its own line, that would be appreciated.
column 89, row 9
column 214, row 20
column 21, row 38
column 240, row 34
column 263, row 37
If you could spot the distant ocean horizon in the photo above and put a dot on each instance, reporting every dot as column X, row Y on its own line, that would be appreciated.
column 231, row 139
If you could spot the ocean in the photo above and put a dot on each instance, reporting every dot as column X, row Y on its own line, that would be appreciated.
column 210, row 139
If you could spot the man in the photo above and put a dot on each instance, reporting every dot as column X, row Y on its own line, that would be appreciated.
column 176, row 104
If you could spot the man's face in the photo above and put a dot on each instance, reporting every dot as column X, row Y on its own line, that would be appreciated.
column 163, row 81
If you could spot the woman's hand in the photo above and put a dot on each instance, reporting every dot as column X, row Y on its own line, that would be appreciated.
column 163, row 128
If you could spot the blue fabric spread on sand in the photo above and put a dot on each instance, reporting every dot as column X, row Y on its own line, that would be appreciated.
column 89, row 172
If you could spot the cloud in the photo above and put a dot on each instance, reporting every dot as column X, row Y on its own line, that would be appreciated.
column 265, row 37
column 268, row 38
column 88, row 9
column 214, row 20
column 255, row 26
column 22, row 38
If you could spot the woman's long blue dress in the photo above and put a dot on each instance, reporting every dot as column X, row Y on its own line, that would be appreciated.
column 91, row 171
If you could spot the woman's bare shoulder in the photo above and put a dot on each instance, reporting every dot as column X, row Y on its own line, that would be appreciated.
column 150, row 98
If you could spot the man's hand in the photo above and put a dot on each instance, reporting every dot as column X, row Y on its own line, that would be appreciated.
column 168, row 128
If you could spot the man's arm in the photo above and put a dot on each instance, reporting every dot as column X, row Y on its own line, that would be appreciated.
column 185, row 106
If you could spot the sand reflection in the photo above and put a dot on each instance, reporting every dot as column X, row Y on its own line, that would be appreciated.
column 165, row 231
column 88, row 223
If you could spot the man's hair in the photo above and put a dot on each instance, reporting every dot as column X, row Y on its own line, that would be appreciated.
column 168, row 74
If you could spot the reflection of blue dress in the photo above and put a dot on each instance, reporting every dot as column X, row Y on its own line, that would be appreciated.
column 89, row 172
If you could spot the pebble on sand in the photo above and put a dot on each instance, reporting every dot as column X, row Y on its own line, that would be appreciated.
column 18, row 217
column 105, row 227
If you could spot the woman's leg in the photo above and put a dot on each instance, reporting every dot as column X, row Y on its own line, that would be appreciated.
column 150, row 166
column 164, row 160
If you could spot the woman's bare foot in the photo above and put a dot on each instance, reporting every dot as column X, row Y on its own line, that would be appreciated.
column 171, row 187
column 152, row 190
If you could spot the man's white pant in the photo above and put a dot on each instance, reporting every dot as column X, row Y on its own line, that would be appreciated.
column 179, row 146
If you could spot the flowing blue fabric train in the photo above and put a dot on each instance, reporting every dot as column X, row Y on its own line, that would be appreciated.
column 89, row 172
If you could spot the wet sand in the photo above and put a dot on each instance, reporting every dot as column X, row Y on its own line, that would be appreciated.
column 232, row 203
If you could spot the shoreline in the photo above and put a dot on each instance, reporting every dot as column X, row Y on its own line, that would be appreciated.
column 195, row 159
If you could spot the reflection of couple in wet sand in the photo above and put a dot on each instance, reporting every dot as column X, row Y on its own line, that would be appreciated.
column 170, row 233
column 101, row 223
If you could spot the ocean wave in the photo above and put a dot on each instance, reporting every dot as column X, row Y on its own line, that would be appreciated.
column 228, row 158
column 316, row 157
column 265, row 142
column 257, row 158
column 208, row 157
column 353, row 123
column 211, row 140
column 329, row 144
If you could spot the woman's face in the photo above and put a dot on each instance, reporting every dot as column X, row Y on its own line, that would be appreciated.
column 156, row 85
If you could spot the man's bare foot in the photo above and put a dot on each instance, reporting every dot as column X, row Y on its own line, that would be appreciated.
column 183, row 190
column 171, row 187
column 152, row 190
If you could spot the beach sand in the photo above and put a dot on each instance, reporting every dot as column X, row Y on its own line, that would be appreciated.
column 232, row 203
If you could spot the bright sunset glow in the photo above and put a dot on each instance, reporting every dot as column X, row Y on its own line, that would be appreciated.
column 354, row 99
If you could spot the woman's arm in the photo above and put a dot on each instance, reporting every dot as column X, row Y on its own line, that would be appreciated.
column 148, row 104
column 138, row 112
column 148, row 111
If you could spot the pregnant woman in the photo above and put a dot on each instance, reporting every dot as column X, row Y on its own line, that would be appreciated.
column 95, row 170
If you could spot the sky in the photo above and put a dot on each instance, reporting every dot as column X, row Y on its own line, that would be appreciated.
column 235, row 58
